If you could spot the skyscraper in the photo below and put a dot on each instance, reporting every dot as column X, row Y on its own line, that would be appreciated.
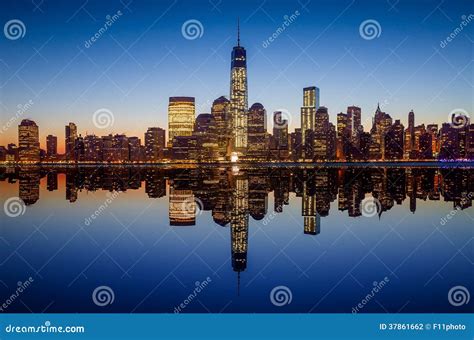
column 410, row 134
column 257, row 130
column 154, row 143
column 205, row 131
column 380, row 125
column 394, row 141
column 70, row 140
column 28, row 141
column 354, row 123
column 93, row 148
column 433, row 130
column 343, row 136
column 239, row 97
column 51, row 145
column 120, row 143
column 308, row 113
column 280, row 135
column 220, row 111
column 321, row 134
column 181, row 115
column 134, row 146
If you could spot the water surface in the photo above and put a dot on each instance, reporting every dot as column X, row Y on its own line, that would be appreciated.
column 320, row 238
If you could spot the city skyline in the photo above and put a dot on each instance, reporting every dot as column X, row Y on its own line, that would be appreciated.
column 232, row 132
column 215, row 138
column 300, row 161
column 345, row 49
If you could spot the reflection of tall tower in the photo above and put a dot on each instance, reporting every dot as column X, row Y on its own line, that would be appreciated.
column 29, row 186
column 155, row 183
column 71, row 188
column 52, row 180
column 239, row 225
column 182, row 209
column 312, row 220
column 239, row 96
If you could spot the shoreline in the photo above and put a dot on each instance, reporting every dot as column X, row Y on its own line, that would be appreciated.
column 245, row 164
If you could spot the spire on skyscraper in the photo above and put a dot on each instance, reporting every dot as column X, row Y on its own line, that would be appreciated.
column 238, row 32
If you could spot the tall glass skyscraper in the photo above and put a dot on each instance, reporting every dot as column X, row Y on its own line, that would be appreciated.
column 70, row 142
column 308, row 112
column 28, row 141
column 181, row 115
column 239, row 97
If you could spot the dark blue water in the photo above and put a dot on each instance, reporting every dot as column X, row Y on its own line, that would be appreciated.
column 329, row 236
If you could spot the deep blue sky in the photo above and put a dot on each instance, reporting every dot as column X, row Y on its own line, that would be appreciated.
column 404, row 68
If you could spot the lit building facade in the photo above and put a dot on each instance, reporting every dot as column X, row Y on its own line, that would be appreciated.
column 321, row 134
column 380, row 125
column 181, row 116
column 280, row 136
column 410, row 134
column 220, row 111
column 51, row 145
column 206, row 133
column 394, row 141
column 28, row 141
column 308, row 113
column 239, row 98
column 154, row 144
column 354, row 123
column 257, row 131
column 70, row 140
column 134, row 147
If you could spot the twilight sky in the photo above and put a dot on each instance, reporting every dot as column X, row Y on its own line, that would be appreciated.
column 143, row 58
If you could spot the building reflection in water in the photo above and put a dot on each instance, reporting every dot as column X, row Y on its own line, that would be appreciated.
column 233, row 195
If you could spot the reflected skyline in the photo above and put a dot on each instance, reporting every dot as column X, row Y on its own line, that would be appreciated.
column 233, row 195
